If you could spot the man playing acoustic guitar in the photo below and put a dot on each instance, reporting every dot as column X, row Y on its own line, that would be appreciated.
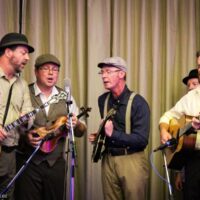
column 188, row 105
column 44, row 178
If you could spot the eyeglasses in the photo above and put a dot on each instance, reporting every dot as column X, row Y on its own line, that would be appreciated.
column 48, row 69
column 108, row 72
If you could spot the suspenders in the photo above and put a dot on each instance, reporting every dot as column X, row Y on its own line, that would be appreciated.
column 128, row 111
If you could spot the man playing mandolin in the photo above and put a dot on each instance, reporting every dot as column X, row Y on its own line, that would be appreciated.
column 45, row 175
column 124, row 165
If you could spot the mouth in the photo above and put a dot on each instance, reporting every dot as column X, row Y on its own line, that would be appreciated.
column 24, row 63
column 50, row 78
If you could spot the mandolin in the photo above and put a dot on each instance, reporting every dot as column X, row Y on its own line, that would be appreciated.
column 100, row 138
column 52, row 134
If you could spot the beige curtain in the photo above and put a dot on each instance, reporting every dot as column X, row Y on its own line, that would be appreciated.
column 158, row 38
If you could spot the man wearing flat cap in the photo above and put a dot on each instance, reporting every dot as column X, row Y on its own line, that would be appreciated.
column 124, row 165
column 45, row 177
column 14, row 101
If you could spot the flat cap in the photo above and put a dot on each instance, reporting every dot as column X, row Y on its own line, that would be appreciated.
column 117, row 62
column 46, row 58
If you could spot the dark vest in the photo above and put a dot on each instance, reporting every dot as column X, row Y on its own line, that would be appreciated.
column 41, row 120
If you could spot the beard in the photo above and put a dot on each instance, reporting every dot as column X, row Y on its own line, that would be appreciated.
column 17, row 65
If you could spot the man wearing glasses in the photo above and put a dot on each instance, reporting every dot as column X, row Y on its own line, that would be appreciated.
column 44, row 178
column 124, row 165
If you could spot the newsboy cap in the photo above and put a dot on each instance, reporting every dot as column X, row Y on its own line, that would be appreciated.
column 46, row 58
column 192, row 74
column 114, row 62
column 14, row 39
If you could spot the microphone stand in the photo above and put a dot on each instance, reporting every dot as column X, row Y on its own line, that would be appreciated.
column 72, row 149
column 171, row 197
column 22, row 168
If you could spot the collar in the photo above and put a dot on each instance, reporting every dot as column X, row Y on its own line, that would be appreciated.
column 122, row 97
column 38, row 91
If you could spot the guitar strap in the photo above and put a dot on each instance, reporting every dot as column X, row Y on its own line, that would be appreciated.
column 128, row 111
column 7, row 105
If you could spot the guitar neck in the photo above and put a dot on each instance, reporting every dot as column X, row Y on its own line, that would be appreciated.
column 185, row 129
column 21, row 120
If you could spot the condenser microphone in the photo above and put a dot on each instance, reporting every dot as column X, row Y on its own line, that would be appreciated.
column 169, row 143
column 67, row 85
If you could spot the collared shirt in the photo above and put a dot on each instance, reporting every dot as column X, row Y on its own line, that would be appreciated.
column 20, row 103
column 73, row 107
column 188, row 105
column 140, row 121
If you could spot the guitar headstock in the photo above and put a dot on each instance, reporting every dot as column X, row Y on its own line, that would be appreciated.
column 84, row 111
column 57, row 97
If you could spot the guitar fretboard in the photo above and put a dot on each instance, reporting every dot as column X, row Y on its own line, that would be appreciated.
column 21, row 120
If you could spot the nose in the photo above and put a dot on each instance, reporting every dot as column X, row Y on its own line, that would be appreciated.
column 27, row 56
column 50, row 71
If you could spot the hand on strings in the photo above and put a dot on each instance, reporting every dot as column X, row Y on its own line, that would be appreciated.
column 195, row 123
column 33, row 138
column 3, row 134
column 74, row 121
column 109, row 128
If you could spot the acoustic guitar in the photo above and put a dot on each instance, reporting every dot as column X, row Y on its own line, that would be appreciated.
column 52, row 134
column 25, row 118
column 100, row 138
column 188, row 141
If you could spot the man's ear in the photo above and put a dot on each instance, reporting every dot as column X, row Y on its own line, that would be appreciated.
column 122, row 74
column 8, row 52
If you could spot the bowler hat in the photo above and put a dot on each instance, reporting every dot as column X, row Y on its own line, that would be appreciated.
column 46, row 58
column 14, row 39
column 114, row 62
column 192, row 74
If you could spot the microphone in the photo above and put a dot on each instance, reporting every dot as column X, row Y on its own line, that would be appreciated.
column 170, row 142
column 67, row 86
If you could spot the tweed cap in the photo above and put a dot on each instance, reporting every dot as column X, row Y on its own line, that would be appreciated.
column 192, row 74
column 46, row 58
column 14, row 39
column 114, row 62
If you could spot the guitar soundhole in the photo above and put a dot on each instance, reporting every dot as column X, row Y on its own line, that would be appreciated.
column 189, row 142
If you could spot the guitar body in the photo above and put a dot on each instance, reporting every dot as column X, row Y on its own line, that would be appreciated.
column 99, row 142
column 49, row 145
column 177, row 155
column 98, row 147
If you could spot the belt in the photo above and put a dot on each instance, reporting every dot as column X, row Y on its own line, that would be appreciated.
column 119, row 151
column 8, row 149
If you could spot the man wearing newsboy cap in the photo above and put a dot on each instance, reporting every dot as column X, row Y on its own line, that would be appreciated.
column 14, row 55
column 124, row 165
column 45, row 177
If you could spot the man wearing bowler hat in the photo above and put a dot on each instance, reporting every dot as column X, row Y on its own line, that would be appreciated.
column 14, row 55
column 191, row 80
